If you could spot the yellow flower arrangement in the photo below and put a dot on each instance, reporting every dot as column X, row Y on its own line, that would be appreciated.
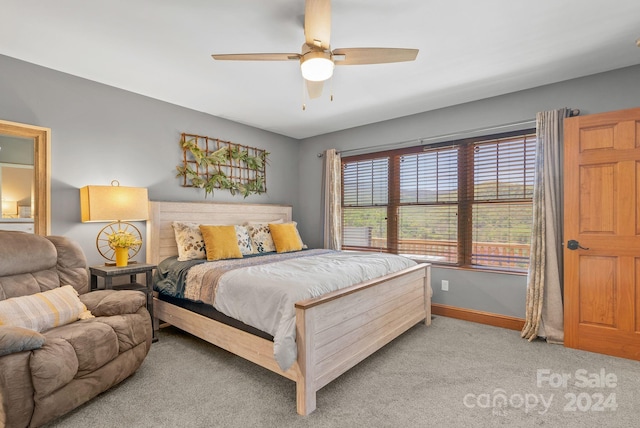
column 123, row 239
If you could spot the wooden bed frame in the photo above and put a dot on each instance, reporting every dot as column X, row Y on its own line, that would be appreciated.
column 334, row 331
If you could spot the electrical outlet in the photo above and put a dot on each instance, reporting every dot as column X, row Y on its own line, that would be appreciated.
column 445, row 285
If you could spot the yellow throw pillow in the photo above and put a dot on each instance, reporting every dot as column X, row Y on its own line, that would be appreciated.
column 220, row 242
column 45, row 310
column 285, row 237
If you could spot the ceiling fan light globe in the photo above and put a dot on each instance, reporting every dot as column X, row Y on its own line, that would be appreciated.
column 317, row 68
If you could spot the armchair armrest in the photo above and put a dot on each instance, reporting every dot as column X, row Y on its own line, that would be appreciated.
column 104, row 303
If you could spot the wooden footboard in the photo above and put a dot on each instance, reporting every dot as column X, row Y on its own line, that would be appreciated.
column 338, row 330
column 334, row 332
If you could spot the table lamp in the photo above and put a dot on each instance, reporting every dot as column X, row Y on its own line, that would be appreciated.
column 118, row 205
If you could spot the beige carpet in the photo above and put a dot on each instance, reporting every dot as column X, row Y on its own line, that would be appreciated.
column 452, row 374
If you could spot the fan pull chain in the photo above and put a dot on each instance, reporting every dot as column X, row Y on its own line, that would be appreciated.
column 304, row 92
column 331, row 89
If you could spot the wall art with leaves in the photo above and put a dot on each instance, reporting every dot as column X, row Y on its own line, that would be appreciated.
column 210, row 163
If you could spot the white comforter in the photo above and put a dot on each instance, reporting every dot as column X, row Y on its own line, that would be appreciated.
column 263, row 296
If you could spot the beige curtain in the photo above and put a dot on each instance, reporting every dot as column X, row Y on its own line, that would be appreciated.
column 332, row 190
column 544, row 310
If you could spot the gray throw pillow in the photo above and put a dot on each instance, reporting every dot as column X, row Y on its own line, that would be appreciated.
column 18, row 339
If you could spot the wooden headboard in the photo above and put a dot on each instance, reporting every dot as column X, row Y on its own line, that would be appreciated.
column 161, row 242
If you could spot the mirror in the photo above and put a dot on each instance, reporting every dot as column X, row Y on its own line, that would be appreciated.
column 25, row 176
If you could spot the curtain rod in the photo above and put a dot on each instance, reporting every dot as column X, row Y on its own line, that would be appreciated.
column 439, row 138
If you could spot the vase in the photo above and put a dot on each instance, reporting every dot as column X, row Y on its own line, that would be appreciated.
column 122, row 256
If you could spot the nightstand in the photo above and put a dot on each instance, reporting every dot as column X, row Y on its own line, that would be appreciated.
column 109, row 272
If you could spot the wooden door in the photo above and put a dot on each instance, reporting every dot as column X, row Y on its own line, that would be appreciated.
column 602, row 213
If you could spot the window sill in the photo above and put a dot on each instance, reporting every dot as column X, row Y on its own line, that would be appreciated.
column 473, row 269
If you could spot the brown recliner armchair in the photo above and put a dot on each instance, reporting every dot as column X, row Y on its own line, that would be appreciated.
column 44, row 374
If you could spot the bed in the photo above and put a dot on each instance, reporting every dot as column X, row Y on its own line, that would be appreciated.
column 334, row 332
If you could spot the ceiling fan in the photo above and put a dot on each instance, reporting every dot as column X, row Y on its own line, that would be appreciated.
column 317, row 60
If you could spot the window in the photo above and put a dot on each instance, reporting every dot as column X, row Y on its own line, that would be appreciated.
column 466, row 203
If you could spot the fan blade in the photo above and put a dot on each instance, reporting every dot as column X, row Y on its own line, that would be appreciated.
column 356, row 56
column 317, row 23
column 314, row 88
column 258, row 57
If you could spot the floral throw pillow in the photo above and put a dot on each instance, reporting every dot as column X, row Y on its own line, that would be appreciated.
column 189, row 240
column 244, row 240
column 261, row 239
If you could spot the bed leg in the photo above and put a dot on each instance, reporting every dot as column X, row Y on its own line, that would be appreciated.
column 428, row 292
column 305, row 379
column 305, row 398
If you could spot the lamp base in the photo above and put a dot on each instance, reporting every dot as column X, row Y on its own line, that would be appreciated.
column 102, row 240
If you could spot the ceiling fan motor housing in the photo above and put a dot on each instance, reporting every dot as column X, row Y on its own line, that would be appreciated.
column 317, row 66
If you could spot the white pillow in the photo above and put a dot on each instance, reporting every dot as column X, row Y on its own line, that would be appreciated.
column 256, row 223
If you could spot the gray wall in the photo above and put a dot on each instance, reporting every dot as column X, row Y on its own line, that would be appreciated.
column 497, row 293
column 100, row 133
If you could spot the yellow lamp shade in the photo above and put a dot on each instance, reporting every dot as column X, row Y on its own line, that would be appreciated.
column 113, row 203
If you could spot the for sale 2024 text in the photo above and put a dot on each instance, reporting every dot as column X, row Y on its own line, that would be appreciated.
column 590, row 400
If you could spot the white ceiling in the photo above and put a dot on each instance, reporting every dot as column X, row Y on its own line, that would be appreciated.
column 469, row 49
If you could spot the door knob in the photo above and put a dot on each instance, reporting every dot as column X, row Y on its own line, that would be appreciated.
column 574, row 245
